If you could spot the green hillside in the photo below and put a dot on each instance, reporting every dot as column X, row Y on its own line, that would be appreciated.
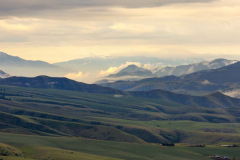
column 65, row 148
column 216, row 100
column 72, row 125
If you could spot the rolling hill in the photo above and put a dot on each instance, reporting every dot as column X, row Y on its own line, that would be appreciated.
column 214, row 100
column 58, row 83
column 45, row 82
column 45, row 123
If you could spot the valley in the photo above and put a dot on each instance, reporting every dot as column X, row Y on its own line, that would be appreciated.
column 79, row 124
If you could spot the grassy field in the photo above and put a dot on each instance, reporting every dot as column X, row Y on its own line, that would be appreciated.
column 73, row 148
column 56, row 124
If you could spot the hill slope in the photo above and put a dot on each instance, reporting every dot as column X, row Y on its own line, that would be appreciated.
column 45, row 82
column 227, row 74
column 215, row 100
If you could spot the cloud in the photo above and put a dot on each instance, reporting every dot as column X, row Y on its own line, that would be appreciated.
column 233, row 93
column 206, row 82
column 76, row 75
column 66, row 4
column 113, row 70
column 133, row 28
column 14, row 26
column 74, row 9
column 73, row 29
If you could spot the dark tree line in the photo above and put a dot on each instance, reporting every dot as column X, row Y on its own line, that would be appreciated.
column 168, row 144
column 198, row 145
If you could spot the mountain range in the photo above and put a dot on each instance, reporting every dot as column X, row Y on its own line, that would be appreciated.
column 201, row 82
column 57, row 107
column 191, row 68
column 134, row 73
column 16, row 66
column 91, row 67
column 20, row 67
column 91, row 64
column 95, row 66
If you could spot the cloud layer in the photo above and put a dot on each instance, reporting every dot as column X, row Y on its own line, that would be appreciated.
column 71, row 9
column 59, row 30
column 66, row 4
column 233, row 93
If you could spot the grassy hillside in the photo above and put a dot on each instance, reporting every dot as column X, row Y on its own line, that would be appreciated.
column 57, row 83
column 73, row 148
column 69, row 124
column 169, row 83
column 211, row 101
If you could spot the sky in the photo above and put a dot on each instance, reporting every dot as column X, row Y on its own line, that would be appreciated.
column 61, row 30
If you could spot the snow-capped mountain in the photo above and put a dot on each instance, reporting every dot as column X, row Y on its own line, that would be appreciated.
column 187, row 69
column 92, row 64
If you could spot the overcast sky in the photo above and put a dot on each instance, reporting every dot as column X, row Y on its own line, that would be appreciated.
column 60, row 30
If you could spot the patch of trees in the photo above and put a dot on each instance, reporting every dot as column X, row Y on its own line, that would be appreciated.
column 3, row 97
column 168, row 144
column 95, row 123
column 119, row 127
column 2, row 89
column 4, row 152
column 198, row 145
column 235, row 145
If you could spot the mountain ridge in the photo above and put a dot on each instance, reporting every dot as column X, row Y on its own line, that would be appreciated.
column 195, row 67
column 17, row 66
column 132, row 70
column 45, row 82
column 201, row 81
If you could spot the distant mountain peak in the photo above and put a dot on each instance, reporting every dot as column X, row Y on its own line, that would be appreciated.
column 3, row 55
column 15, row 65
column 216, row 94
column 132, row 68
column 219, row 59
column 195, row 67
column 132, row 71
